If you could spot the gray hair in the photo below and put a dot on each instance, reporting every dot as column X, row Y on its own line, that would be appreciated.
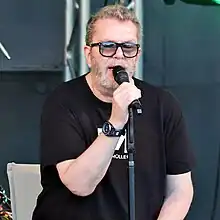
column 118, row 12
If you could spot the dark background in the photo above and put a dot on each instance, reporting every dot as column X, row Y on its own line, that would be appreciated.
column 181, row 52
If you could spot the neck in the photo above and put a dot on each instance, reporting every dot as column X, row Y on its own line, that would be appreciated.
column 101, row 93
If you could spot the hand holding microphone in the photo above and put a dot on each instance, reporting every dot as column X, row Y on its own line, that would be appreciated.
column 120, row 76
column 125, row 96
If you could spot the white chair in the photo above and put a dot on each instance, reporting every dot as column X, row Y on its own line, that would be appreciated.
column 24, row 185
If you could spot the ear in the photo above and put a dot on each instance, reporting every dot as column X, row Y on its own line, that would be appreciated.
column 138, row 55
column 87, row 52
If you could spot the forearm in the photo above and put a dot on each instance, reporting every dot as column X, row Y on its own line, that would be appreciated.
column 85, row 172
column 176, row 205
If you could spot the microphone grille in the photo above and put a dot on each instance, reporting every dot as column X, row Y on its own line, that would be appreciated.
column 120, row 75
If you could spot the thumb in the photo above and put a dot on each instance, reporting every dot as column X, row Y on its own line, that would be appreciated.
column 131, row 80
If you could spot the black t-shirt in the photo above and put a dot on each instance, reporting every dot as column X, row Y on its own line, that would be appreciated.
column 72, row 119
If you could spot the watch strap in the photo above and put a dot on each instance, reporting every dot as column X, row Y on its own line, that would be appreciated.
column 110, row 131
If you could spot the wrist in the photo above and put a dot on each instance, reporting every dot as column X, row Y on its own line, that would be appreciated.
column 109, row 130
column 117, row 125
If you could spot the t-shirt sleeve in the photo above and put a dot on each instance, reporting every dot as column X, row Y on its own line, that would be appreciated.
column 61, row 133
column 179, row 154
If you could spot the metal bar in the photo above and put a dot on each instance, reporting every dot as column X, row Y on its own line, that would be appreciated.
column 70, row 63
column 4, row 51
column 139, row 14
column 69, row 13
column 84, row 17
column 72, row 40
column 131, row 5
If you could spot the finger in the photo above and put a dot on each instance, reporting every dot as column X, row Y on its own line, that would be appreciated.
column 131, row 80
column 127, row 88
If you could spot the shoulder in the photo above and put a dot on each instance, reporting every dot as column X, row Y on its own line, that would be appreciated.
column 71, row 86
column 159, row 95
column 67, row 91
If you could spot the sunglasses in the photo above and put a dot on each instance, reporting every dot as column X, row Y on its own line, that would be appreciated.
column 109, row 48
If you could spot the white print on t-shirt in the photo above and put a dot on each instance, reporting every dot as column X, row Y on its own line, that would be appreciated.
column 119, row 155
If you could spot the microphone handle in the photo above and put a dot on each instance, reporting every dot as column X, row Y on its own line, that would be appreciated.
column 136, row 104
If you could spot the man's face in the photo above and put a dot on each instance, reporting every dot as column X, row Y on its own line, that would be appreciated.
column 114, row 31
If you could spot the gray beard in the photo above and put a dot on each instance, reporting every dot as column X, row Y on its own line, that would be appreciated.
column 106, row 87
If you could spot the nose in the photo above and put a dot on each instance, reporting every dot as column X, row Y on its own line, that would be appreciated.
column 119, row 53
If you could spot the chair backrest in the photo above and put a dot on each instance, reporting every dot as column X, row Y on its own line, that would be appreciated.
column 25, row 186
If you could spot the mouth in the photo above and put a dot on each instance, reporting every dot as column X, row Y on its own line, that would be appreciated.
column 112, row 67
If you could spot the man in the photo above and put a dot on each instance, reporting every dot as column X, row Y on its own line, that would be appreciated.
column 83, row 166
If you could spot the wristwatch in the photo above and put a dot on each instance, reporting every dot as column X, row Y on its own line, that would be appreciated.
column 109, row 130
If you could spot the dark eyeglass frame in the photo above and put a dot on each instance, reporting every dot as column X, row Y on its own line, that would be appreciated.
column 100, row 45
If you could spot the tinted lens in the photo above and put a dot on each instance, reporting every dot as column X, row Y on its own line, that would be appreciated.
column 108, row 48
column 130, row 49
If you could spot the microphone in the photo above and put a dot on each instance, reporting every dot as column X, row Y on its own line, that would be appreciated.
column 120, row 76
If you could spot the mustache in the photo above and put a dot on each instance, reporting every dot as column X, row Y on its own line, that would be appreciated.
column 111, row 66
column 115, row 63
column 103, row 65
column 130, row 69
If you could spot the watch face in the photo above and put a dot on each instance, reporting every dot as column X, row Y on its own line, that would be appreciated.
column 106, row 128
column 109, row 130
